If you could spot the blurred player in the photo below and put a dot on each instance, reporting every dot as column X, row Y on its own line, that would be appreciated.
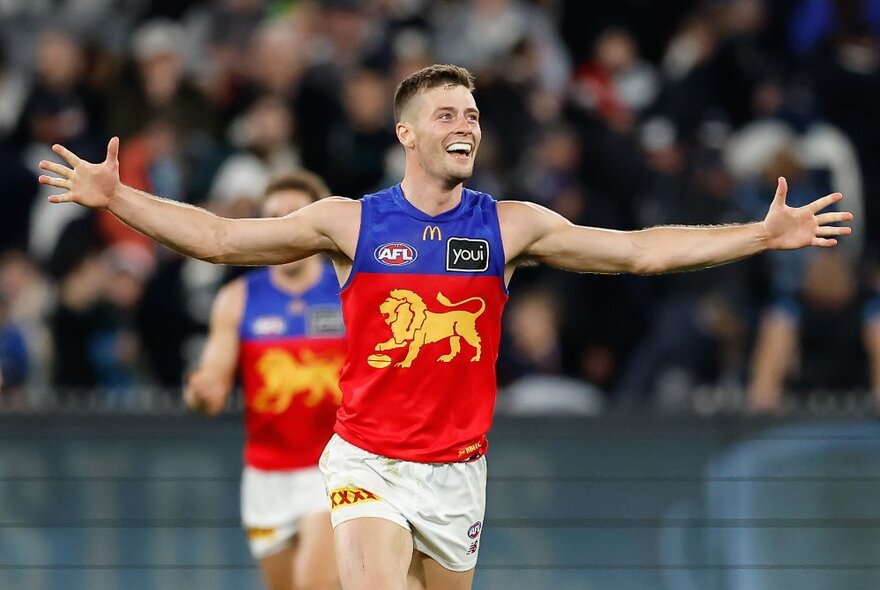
column 425, row 266
column 282, row 326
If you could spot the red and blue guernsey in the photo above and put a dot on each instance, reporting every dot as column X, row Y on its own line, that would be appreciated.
column 292, row 353
column 423, row 307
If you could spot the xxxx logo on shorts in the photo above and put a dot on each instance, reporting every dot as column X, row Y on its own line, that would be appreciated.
column 257, row 534
column 349, row 497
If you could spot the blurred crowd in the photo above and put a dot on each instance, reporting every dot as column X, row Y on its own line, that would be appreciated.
column 622, row 115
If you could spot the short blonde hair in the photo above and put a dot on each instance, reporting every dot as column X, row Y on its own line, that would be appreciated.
column 428, row 78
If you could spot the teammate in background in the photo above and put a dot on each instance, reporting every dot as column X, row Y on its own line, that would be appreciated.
column 425, row 266
column 282, row 327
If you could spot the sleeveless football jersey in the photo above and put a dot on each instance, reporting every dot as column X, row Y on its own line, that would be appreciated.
column 423, row 309
column 292, row 353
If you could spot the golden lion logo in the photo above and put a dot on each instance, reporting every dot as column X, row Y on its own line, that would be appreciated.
column 413, row 325
column 284, row 377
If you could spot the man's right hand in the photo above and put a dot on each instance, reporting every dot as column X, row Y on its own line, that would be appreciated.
column 204, row 393
column 91, row 185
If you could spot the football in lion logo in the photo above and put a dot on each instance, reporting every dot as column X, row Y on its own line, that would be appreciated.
column 413, row 326
column 285, row 377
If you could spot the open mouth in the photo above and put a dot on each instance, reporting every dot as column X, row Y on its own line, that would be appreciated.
column 460, row 150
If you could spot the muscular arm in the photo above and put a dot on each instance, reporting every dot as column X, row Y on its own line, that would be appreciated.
column 324, row 226
column 201, row 234
column 533, row 232
column 208, row 388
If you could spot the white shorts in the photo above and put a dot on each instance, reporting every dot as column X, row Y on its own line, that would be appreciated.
column 273, row 502
column 443, row 504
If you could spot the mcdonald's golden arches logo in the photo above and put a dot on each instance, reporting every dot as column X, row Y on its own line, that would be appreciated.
column 432, row 232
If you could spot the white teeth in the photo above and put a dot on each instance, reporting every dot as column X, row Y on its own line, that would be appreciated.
column 460, row 147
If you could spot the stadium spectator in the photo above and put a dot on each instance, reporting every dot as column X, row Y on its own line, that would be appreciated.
column 30, row 299
column 275, row 62
column 551, row 173
column 221, row 34
column 14, row 355
column 787, row 125
column 95, row 349
column 159, row 86
column 618, row 84
column 75, row 323
column 172, row 316
column 846, row 75
column 360, row 142
column 265, row 136
column 478, row 34
column 13, row 91
column 18, row 194
column 530, row 362
column 59, row 107
column 824, row 339
column 116, row 350
column 533, row 344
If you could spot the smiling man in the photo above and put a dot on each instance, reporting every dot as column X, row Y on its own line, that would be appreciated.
column 424, row 267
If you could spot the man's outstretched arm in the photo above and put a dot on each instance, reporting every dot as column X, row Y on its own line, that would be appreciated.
column 533, row 232
column 190, row 230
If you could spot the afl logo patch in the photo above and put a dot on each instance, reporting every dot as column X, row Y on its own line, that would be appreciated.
column 395, row 254
column 475, row 529
column 268, row 325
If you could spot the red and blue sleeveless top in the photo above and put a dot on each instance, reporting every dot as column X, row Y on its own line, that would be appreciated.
column 423, row 309
column 292, row 353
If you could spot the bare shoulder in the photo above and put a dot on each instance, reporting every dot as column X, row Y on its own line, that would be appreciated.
column 229, row 303
column 328, row 210
column 342, row 205
column 515, row 208
column 523, row 223
column 333, row 211
column 338, row 199
column 338, row 218
column 525, row 214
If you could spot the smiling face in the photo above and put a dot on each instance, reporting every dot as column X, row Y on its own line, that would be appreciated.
column 440, row 131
